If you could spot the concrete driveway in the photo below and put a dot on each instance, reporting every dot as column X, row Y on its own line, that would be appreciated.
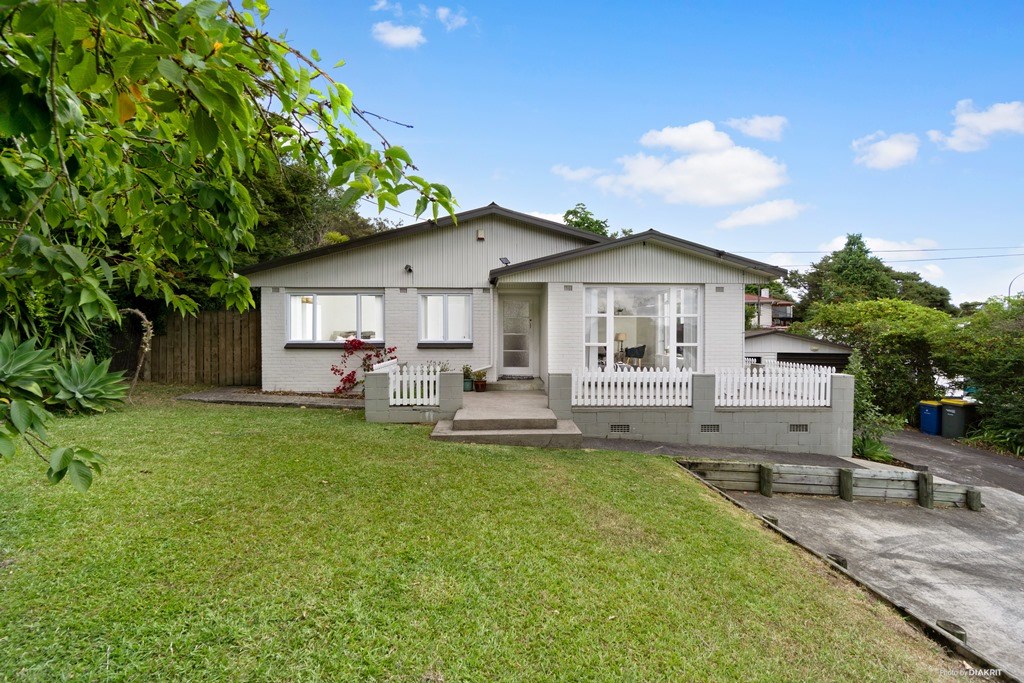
column 948, row 563
column 962, row 464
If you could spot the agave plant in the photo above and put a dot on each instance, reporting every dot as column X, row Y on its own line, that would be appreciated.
column 82, row 385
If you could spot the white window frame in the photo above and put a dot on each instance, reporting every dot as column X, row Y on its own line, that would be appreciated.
column 359, row 317
column 422, row 312
column 677, row 318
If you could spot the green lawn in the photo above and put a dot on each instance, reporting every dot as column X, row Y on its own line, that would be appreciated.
column 230, row 543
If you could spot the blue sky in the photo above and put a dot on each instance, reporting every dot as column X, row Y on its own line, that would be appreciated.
column 763, row 131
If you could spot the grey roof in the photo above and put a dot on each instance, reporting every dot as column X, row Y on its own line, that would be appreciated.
column 653, row 235
column 765, row 331
column 491, row 209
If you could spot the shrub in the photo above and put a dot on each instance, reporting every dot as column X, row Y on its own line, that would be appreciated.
column 369, row 356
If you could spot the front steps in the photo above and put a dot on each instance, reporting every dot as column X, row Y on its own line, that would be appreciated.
column 535, row 384
column 512, row 419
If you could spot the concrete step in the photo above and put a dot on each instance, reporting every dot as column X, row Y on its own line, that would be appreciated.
column 494, row 410
column 535, row 384
column 565, row 434
column 468, row 421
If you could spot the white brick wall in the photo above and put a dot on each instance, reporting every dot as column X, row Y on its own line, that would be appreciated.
column 723, row 326
column 309, row 370
column 564, row 326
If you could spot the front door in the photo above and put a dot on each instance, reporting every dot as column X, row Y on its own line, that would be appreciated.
column 518, row 337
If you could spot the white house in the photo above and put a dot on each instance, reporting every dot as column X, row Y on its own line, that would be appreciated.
column 769, row 312
column 765, row 346
column 639, row 337
column 508, row 292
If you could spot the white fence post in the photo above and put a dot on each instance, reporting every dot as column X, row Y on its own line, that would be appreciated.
column 413, row 385
column 640, row 387
column 774, row 385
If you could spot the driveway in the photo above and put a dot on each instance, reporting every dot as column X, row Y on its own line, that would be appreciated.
column 947, row 563
column 962, row 464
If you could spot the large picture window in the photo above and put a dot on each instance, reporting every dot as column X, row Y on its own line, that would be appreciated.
column 654, row 327
column 446, row 318
column 335, row 317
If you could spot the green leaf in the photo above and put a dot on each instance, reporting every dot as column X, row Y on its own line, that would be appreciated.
column 60, row 458
column 206, row 130
column 81, row 475
column 171, row 71
column 6, row 446
column 21, row 415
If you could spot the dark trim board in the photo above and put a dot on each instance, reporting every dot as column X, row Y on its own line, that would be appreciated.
column 839, row 361
column 338, row 346
column 444, row 345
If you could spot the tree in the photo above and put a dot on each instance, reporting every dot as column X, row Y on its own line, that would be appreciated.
column 130, row 132
column 895, row 339
column 853, row 274
column 581, row 218
column 869, row 424
column 986, row 352
column 848, row 274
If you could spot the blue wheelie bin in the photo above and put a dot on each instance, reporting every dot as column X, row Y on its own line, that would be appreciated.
column 931, row 417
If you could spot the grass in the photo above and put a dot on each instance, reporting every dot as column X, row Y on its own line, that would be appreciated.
column 234, row 543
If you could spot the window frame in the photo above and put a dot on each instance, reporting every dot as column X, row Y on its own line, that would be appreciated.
column 315, row 343
column 425, row 342
column 676, row 317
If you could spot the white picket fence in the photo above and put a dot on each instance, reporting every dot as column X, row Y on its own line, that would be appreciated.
column 640, row 387
column 412, row 385
column 775, row 385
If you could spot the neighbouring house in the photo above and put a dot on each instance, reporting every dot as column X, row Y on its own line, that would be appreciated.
column 769, row 312
column 532, row 301
column 766, row 346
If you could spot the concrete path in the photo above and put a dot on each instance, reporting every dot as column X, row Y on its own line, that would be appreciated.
column 962, row 464
column 250, row 396
column 946, row 563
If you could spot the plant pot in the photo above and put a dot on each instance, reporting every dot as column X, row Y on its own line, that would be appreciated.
column 467, row 384
column 480, row 384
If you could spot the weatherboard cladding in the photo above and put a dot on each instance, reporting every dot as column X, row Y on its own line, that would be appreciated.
column 640, row 263
column 444, row 257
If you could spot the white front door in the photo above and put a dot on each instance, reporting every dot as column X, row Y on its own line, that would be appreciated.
column 519, row 336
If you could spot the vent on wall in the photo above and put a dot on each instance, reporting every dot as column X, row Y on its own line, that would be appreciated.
column 798, row 428
column 710, row 429
column 719, row 290
column 618, row 429
column 403, row 290
column 568, row 288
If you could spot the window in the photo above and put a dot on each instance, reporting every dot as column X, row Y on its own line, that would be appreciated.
column 446, row 318
column 655, row 327
column 335, row 317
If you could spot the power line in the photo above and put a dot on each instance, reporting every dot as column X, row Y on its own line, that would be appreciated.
column 889, row 251
column 928, row 260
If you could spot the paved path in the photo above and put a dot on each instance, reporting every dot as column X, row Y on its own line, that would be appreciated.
column 962, row 464
column 250, row 396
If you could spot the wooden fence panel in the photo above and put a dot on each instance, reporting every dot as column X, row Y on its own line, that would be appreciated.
column 215, row 347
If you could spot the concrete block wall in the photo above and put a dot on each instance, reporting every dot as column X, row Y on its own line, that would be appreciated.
column 829, row 430
column 309, row 370
column 564, row 326
column 379, row 409
column 723, row 326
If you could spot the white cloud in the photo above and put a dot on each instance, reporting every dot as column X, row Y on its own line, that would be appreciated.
column 451, row 20
column 761, row 127
column 386, row 6
column 973, row 128
column 556, row 217
column 696, row 137
column 884, row 152
column 394, row 36
column 761, row 214
column 575, row 174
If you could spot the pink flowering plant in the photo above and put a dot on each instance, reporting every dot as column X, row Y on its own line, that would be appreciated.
column 367, row 354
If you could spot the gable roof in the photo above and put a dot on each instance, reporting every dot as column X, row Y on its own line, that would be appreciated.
column 491, row 209
column 738, row 262
column 750, row 334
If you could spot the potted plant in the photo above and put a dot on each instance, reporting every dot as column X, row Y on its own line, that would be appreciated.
column 467, row 378
column 480, row 380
